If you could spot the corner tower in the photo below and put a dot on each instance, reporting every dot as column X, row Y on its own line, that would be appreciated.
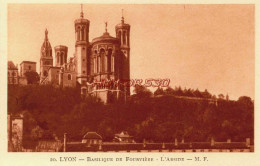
column 81, row 47
column 123, row 34
column 46, row 60
column 60, row 55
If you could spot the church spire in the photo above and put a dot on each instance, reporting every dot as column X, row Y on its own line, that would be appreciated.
column 81, row 13
column 106, row 26
column 46, row 34
column 122, row 18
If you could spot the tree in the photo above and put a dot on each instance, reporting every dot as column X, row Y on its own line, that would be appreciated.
column 159, row 91
column 221, row 96
column 245, row 100
column 169, row 91
column 142, row 91
column 206, row 94
column 179, row 92
column 197, row 93
column 32, row 77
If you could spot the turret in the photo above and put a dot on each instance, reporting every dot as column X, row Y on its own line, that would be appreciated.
column 123, row 34
column 46, row 60
column 81, row 47
column 60, row 55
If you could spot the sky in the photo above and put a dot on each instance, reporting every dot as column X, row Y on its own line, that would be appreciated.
column 196, row 46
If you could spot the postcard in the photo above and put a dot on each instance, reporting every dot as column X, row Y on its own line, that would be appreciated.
column 124, row 83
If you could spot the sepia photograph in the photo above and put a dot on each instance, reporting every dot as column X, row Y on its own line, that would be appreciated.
column 137, row 78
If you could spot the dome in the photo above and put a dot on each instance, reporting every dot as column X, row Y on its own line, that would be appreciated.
column 122, row 25
column 106, row 38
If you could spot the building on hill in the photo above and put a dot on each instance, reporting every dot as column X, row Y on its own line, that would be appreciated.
column 92, row 138
column 27, row 66
column 104, row 58
column 15, row 132
column 124, row 137
column 19, row 78
column 13, row 76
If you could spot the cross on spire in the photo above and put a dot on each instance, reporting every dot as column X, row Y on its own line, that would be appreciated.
column 106, row 26
column 46, row 34
column 81, row 13
column 122, row 16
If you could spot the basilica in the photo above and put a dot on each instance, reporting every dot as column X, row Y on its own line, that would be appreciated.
column 103, row 58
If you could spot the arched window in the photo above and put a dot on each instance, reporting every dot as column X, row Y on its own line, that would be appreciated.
column 102, row 60
column 82, row 33
column 124, row 39
column 94, row 64
column 112, row 63
column 128, row 39
column 45, row 73
column 61, row 58
column 78, row 33
column 58, row 57
column 119, row 37
column 98, row 64
column 109, row 60
column 69, row 77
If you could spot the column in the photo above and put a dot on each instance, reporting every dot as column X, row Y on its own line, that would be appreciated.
column 106, row 63
column 122, row 42
column 58, row 59
column 112, row 63
column 98, row 64
column 95, row 65
column 80, row 32
column 126, row 38
column 61, row 58
column 85, row 34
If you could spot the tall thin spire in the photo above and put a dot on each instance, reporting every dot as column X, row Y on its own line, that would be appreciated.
column 106, row 26
column 46, row 34
column 81, row 13
column 122, row 18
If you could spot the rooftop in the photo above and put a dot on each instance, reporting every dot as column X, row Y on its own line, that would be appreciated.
column 105, row 37
column 11, row 65
column 92, row 135
column 28, row 62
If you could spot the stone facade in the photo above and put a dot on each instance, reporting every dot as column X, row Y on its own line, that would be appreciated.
column 15, row 132
column 27, row 66
column 13, row 76
column 105, row 58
